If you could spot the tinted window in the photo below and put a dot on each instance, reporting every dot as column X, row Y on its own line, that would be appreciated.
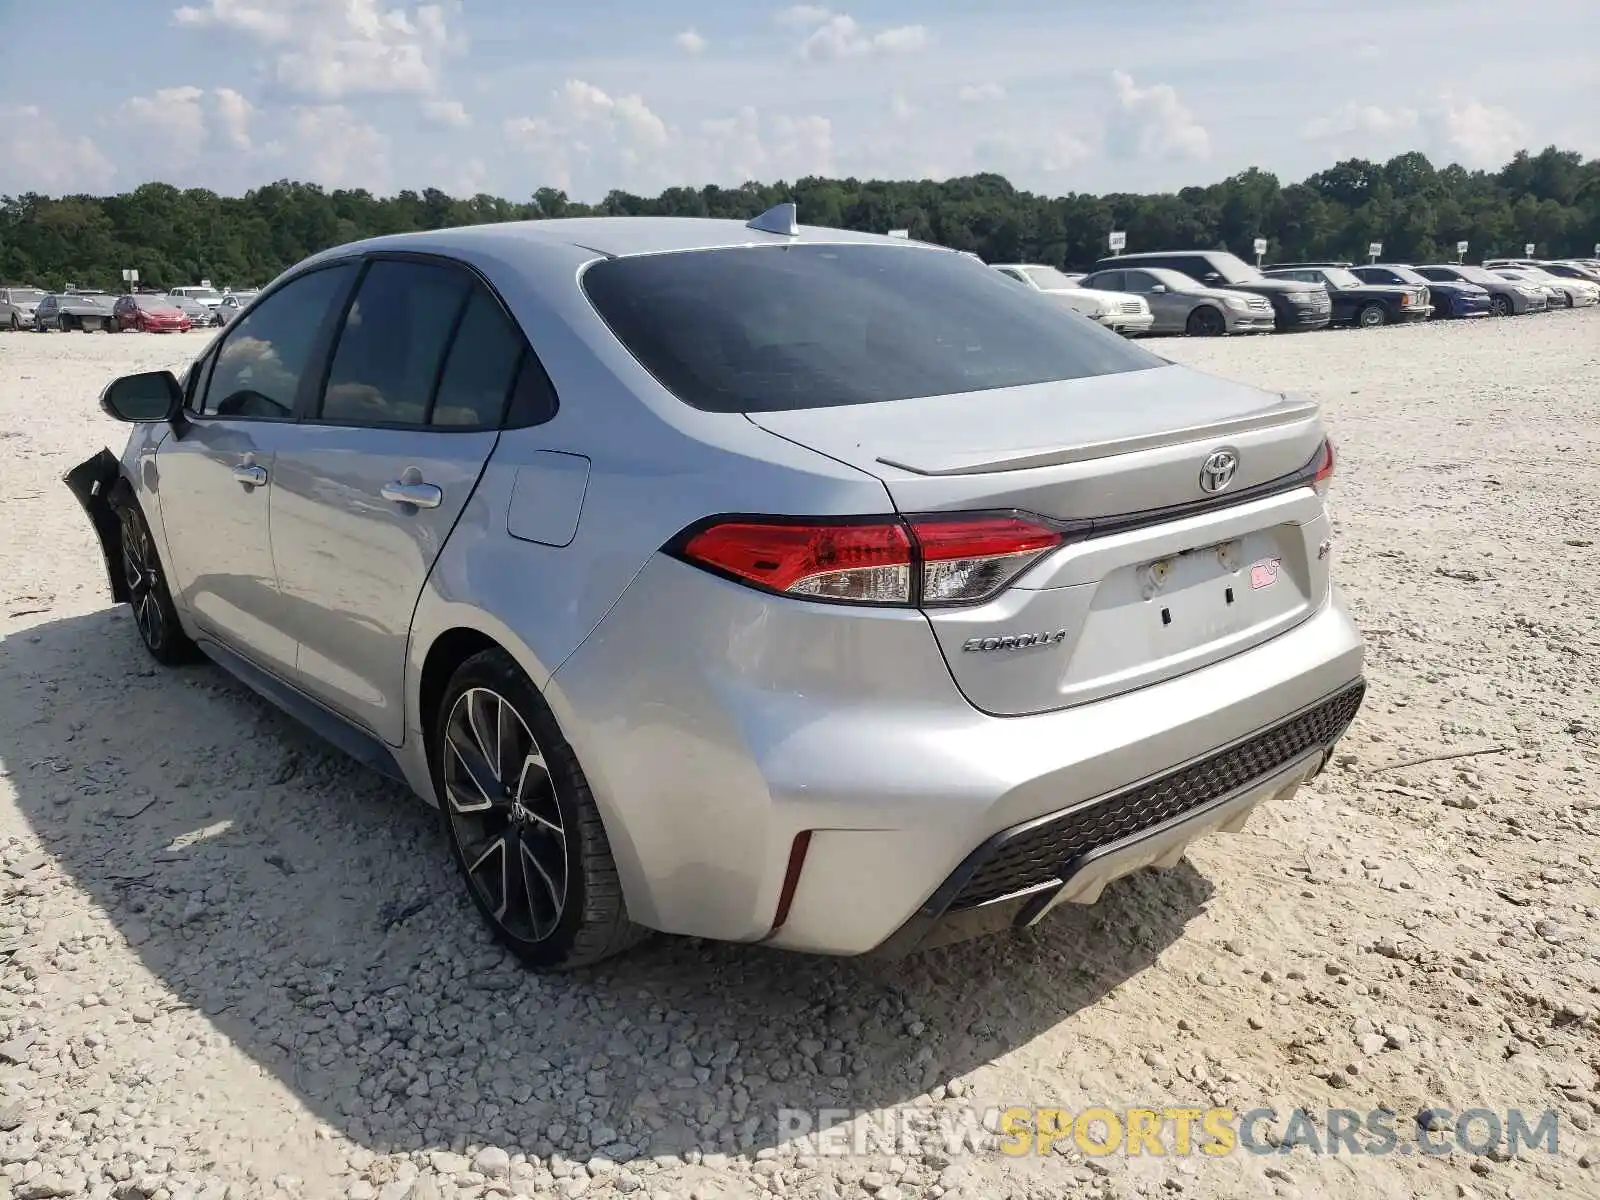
column 261, row 362
column 392, row 343
column 534, row 400
column 757, row 329
column 481, row 368
column 1111, row 281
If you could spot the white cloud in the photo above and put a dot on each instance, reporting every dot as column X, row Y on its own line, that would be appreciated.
column 1359, row 120
column 587, row 134
column 901, row 108
column 1479, row 135
column 447, row 114
column 36, row 154
column 339, row 149
column 690, row 42
column 1152, row 123
column 233, row 114
column 172, row 127
column 980, row 93
column 837, row 35
column 331, row 49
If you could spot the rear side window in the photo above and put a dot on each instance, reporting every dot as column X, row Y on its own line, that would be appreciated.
column 258, row 369
column 481, row 368
column 393, row 343
column 765, row 328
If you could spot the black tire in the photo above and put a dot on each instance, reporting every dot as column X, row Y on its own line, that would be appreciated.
column 1206, row 321
column 1371, row 316
column 1500, row 306
column 154, row 615
column 1571, row 302
column 16, row 323
column 542, row 820
column 64, row 324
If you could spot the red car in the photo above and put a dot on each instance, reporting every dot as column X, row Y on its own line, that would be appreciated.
column 149, row 314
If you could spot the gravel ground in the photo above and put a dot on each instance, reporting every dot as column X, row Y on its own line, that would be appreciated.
column 233, row 963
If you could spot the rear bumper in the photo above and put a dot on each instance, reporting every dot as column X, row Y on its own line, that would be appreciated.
column 1017, row 876
column 716, row 725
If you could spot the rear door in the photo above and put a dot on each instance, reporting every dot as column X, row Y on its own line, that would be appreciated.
column 368, row 487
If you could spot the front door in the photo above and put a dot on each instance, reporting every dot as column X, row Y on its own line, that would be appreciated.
column 216, row 474
column 368, row 487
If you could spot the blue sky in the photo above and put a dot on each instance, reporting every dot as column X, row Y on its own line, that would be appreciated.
column 505, row 96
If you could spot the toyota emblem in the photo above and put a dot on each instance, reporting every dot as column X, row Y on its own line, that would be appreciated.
column 1217, row 472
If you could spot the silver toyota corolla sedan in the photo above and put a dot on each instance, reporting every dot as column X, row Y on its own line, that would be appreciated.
column 757, row 582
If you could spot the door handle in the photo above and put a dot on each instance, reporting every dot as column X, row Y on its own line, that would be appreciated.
column 419, row 495
column 250, row 474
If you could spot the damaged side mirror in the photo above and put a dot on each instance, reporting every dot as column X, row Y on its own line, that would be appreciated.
column 147, row 396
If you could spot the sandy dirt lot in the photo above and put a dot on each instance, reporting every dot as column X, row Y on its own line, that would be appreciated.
column 233, row 963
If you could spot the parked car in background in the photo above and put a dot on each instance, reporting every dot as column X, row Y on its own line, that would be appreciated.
column 1126, row 314
column 1296, row 305
column 1566, row 293
column 1572, row 270
column 1180, row 305
column 957, row 609
column 200, row 293
column 1507, row 297
column 200, row 315
column 234, row 302
column 1447, row 298
column 149, row 312
column 17, row 305
column 1355, row 301
column 80, row 311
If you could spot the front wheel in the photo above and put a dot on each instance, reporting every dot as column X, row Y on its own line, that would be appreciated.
column 1500, row 306
column 153, row 610
column 522, row 823
column 63, row 324
column 16, row 323
column 1371, row 316
column 1206, row 321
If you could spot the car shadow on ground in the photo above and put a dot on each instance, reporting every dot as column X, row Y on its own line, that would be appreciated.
column 310, row 910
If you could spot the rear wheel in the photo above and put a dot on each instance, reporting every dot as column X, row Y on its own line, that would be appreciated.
column 153, row 611
column 1371, row 316
column 1500, row 306
column 1206, row 321
column 522, row 822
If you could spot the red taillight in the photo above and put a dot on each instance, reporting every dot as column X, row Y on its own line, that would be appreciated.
column 1323, row 476
column 868, row 564
column 939, row 560
column 968, row 559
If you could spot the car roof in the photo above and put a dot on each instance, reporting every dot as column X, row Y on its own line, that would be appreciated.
column 1162, row 254
column 614, row 237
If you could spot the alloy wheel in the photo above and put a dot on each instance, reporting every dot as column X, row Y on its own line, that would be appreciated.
column 502, row 806
column 142, row 572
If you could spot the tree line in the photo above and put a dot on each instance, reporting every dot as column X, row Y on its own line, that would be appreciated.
column 1419, row 213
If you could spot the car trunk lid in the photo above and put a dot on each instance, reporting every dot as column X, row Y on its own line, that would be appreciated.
column 1157, row 576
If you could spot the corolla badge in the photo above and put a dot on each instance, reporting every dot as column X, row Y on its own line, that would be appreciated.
column 1217, row 472
column 1017, row 641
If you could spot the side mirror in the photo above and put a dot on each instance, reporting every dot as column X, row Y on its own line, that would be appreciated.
column 147, row 396
column 1158, row 289
column 1211, row 277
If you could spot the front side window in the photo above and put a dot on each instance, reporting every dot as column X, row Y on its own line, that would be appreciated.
column 393, row 343
column 766, row 328
column 260, row 364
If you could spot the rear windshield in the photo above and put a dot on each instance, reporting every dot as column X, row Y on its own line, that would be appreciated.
column 766, row 328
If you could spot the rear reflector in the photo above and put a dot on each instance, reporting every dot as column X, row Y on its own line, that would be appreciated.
column 936, row 560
